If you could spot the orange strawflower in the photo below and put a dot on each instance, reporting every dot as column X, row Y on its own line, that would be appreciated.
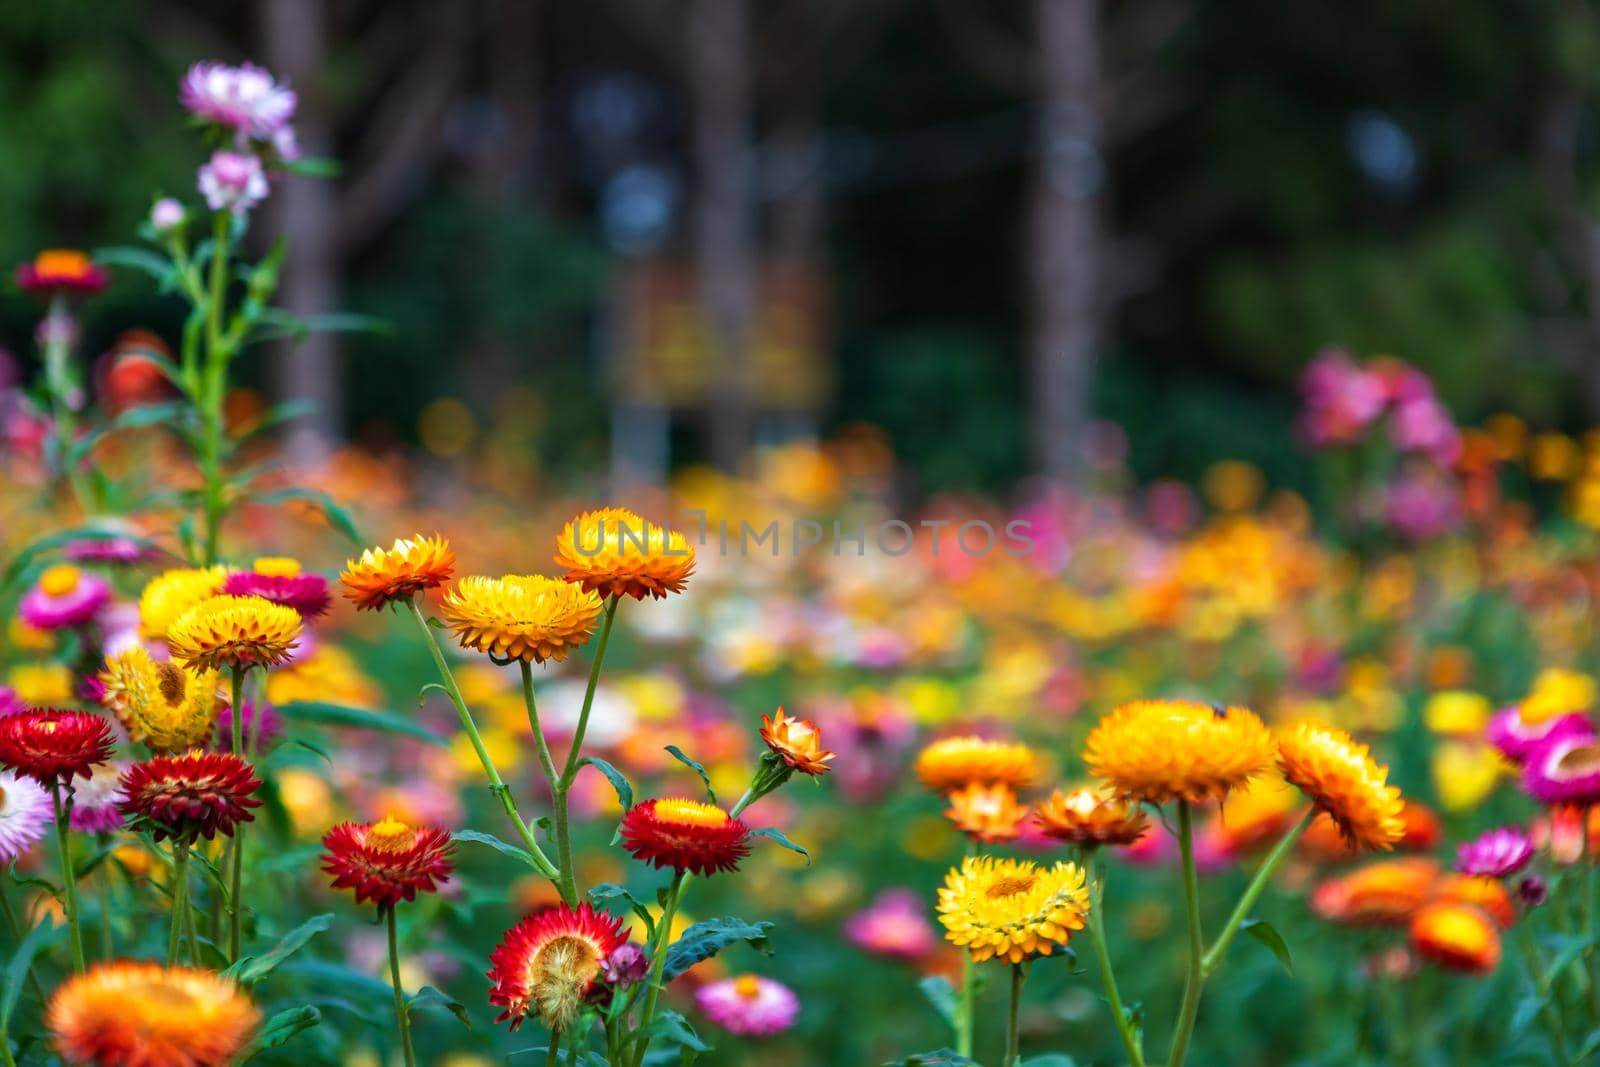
column 1458, row 937
column 614, row 552
column 1488, row 894
column 385, row 575
column 521, row 616
column 797, row 741
column 1165, row 750
column 954, row 762
column 1384, row 893
column 1090, row 816
column 1344, row 782
column 988, row 813
column 128, row 1014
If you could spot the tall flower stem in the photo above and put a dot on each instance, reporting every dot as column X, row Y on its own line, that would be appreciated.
column 658, row 960
column 18, row 935
column 1011, row 1026
column 570, row 770
column 1097, row 938
column 497, row 785
column 1195, row 981
column 180, row 896
column 1252, row 893
column 236, row 871
column 402, row 1017
column 69, row 878
column 213, row 382
column 967, row 998
column 567, row 883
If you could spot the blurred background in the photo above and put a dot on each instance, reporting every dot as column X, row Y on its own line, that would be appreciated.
column 629, row 235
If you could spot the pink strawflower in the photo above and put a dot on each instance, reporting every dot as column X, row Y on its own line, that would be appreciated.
column 1496, row 854
column 750, row 1005
column 305, row 593
column 167, row 215
column 1341, row 399
column 25, row 815
column 232, row 181
column 626, row 966
column 1516, row 739
column 64, row 597
column 1423, row 425
column 95, row 801
column 271, row 725
column 895, row 925
column 1422, row 506
column 245, row 98
column 1564, row 770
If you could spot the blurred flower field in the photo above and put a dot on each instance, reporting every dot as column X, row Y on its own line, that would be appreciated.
column 381, row 763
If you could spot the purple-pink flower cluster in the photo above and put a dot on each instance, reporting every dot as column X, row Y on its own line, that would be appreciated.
column 249, row 102
column 1345, row 399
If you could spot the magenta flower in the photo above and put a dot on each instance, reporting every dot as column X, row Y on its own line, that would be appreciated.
column 895, row 925
column 25, row 814
column 64, row 597
column 1341, row 398
column 305, row 593
column 1496, row 854
column 1564, row 770
column 626, row 966
column 109, row 549
column 10, row 703
column 749, row 1005
column 271, row 725
column 1420, row 507
column 166, row 215
column 1424, row 425
column 1516, row 739
column 232, row 181
column 95, row 801
column 246, row 99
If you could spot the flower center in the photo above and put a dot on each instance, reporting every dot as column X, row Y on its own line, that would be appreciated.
column 59, row 261
column 277, row 566
column 1010, row 887
column 60, row 580
column 693, row 812
column 2, row 798
column 390, row 835
column 1584, row 759
column 170, row 682
column 747, row 986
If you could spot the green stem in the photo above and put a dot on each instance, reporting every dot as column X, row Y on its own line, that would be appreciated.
column 497, row 786
column 1397, row 1027
column 551, row 1057
column 106, row 889
column 17, row 934
column 1011, row 1026
column 213, row 389
column 1541, row 984
column 402, row 1017
column 1252, row 893
column 658, row 959
column 69, row 878
column 1195, row 980
column 568, row 883
column 1587, row 912
column 570, row 771
column 180, row 897
column 966, row 1001
column 236, row 867
column 1097, row 938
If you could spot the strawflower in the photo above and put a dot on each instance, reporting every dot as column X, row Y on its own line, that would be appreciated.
column 797, row 742
column 1496, row 854
column 234, row 631
column 953, row 762
column 1564, row 770
column 25, row 815
column 548, row 963
column 172, row 593
column 383, row 576
column 1089, row 816
column 245, row 99
column 96, row 803
column 1344, row 783
column 749, row 1005
column 894, row 925
column 61, row 271
column 197, row 794
column 614, row 552
column 524, row 617
column 52, row 747
column 1012, row 909
column 1517, row 739
column 64, row 597
column 164, row 706
column 1165, row 750
column 1457, row 937
column 232, row 181
column 129, row 1014
column 987, row 813
column 307, row 594
column 686, row 835
column 387, row 861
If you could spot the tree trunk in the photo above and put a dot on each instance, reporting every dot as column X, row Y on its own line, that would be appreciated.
column 725, row 258
column 296, row 48
column 1064, row 254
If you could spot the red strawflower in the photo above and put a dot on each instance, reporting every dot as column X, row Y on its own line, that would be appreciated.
column 197, row 794
column 387, row 862
column 61, row 271
column 51, row 746
column 547, row 963
column 685, row 835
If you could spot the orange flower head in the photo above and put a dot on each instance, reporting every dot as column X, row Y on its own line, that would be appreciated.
column 129, row 1014
column 546, row 964
column 1457, row 937
column 1487, row 894
column 1345, row 783
column 1383, row 893
column 1090, row 816
column 524, row 617
column 798, row 742
column 387, row 861
column 234, row 631
column 988, row 813
column 1259, row 814
column 1166, row 750
column 953, row 762
column 384, row 576
column 686, row 835
column 614, row 552
column 1324, row 839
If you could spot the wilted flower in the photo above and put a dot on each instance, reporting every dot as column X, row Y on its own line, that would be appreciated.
column 232, row 181
column 124, row 1013
column 750, row 1005
column 246, row 99
column 1496, row 854
column 63, row 597
column 25, row 815
column 387, row 861
column 627, row 965
column 548, row 963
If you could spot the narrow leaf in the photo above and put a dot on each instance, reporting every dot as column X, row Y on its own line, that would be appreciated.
column 324, row 714
column 16, row 972
column 1268, row 935
column 615, row 777
column 942, row 995
column 772, row 834
column 505, row 848
column 281, row 1027
column 699, row 768
column 251, row 969
column 705, row 939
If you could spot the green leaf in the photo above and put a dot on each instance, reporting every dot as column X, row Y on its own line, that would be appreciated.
column 324, row 714
column 610, row 891
column 505, row 848
column 615, row 777
column 772, row 834
column 281, row 1027
column 292, row 859
column 422, row 694
column 87, row 866
column 942, row 995
column 705, row 939
column 251, row 969
column 428, row 996
column 674, row 1027
column 16, row 972
column 136, row 418
column 277, row 324
column 313, row 167
column 944, row 1057
column 1268, row 935
column 1591, row 1045
column 699, row 768
column 337, row 516
column 154, row 264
